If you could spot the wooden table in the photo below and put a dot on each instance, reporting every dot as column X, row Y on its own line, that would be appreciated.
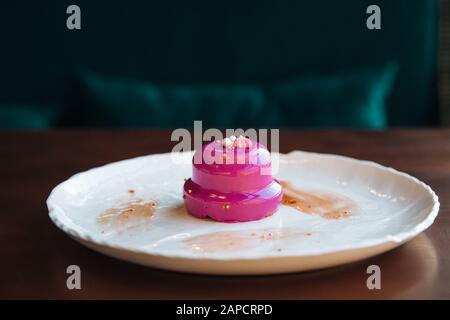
column 34, row 254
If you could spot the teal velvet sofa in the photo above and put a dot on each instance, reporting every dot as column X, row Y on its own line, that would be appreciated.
column 229, row 63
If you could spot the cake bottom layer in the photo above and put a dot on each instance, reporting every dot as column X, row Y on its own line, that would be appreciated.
column 232, row 207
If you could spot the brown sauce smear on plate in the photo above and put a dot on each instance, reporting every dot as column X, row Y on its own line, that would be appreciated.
column 123, row 213
column 325, row 204
column 225, row 241
column 218, row 241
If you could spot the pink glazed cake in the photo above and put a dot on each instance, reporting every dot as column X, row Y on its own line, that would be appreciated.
column 232, row 182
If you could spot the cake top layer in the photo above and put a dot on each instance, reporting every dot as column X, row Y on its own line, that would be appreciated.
column 232, row 154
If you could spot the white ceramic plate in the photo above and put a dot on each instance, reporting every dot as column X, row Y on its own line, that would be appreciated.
column 393, row 207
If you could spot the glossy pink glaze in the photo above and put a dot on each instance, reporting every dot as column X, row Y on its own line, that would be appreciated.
column 232, row 185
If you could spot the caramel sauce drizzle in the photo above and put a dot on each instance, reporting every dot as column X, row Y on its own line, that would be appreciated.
column 134, row 209
column 325, row 204
column 225, row 241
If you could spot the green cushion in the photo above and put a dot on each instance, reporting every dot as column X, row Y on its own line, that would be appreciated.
column 351, row 100
column 115, row 102
column 26, row 117
column 355, row 99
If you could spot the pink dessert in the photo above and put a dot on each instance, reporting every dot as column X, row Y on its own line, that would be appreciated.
column 232, row 182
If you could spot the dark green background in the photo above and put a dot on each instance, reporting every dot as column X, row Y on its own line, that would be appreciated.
column 216, row 42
